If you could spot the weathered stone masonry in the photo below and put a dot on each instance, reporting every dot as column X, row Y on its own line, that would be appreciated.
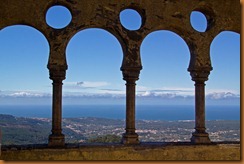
column 172, row 15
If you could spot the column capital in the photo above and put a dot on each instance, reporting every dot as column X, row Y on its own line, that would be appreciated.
column 200, row 75
column 57, row 73
column 131, row 74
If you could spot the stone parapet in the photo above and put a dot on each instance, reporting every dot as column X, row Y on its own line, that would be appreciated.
column 144, row 151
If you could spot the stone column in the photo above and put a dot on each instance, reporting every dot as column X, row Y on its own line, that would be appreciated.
column 200, row 136
column 56, row 139
column 130, row 136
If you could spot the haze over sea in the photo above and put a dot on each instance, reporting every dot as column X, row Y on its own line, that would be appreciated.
column 143, row 112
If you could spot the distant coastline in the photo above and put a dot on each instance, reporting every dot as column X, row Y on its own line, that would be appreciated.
column 143, row 112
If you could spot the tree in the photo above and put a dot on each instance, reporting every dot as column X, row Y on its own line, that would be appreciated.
column 110, row 138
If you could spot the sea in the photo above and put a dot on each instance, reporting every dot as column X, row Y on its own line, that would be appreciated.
column 143, row 112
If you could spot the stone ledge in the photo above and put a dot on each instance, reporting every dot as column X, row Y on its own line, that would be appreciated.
column 144, row 151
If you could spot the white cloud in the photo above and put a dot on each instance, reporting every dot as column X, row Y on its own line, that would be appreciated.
column 182, row 93
column 165, row 92
column 150, row 94
column 114, row 92
column 86, row 84
column 92, row 95
column 174, row 92
column 24, row 94
column 222, row 95
column 210, row 91
column 147, row 93
column 140, row 88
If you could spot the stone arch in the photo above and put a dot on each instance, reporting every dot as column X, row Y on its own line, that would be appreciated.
column 104, row 33
column 31, row 30
column 18, row 72
column 157, row 67
column 173, row 33
column 161, row 62
column 176, row 30
column 110, row 71
column 39, row 30
column 224, row 82
column 218, row 52
column 110, row 32
column 184, row 36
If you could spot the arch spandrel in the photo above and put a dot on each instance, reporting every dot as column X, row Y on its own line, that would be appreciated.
column 199, row 52
column 85, row 12
column 228, row 15
column 23, row 12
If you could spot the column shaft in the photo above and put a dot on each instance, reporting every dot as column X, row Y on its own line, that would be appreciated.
column 130, row 136
column 56, row 139
column 57, row 108
column 200, row 136
column 130, row 107
column 200, row 107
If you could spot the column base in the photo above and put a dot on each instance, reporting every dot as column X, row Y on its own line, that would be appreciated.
column 200, row 138
column 130, row 139
column 56, row 140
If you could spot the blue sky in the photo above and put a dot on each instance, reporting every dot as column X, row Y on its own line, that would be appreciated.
column 94, row 57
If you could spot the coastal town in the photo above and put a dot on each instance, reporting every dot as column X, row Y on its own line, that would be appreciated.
column 151, row 130
column 22, row 130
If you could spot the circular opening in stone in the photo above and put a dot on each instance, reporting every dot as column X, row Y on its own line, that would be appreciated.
column 130, row 19
column 198, row 21
column 58, row 17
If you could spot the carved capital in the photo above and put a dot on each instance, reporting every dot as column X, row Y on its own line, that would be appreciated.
column 200, row 76
column 57, row 73
column 131, row 74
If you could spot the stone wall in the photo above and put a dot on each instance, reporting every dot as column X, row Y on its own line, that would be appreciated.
column 176, row 151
